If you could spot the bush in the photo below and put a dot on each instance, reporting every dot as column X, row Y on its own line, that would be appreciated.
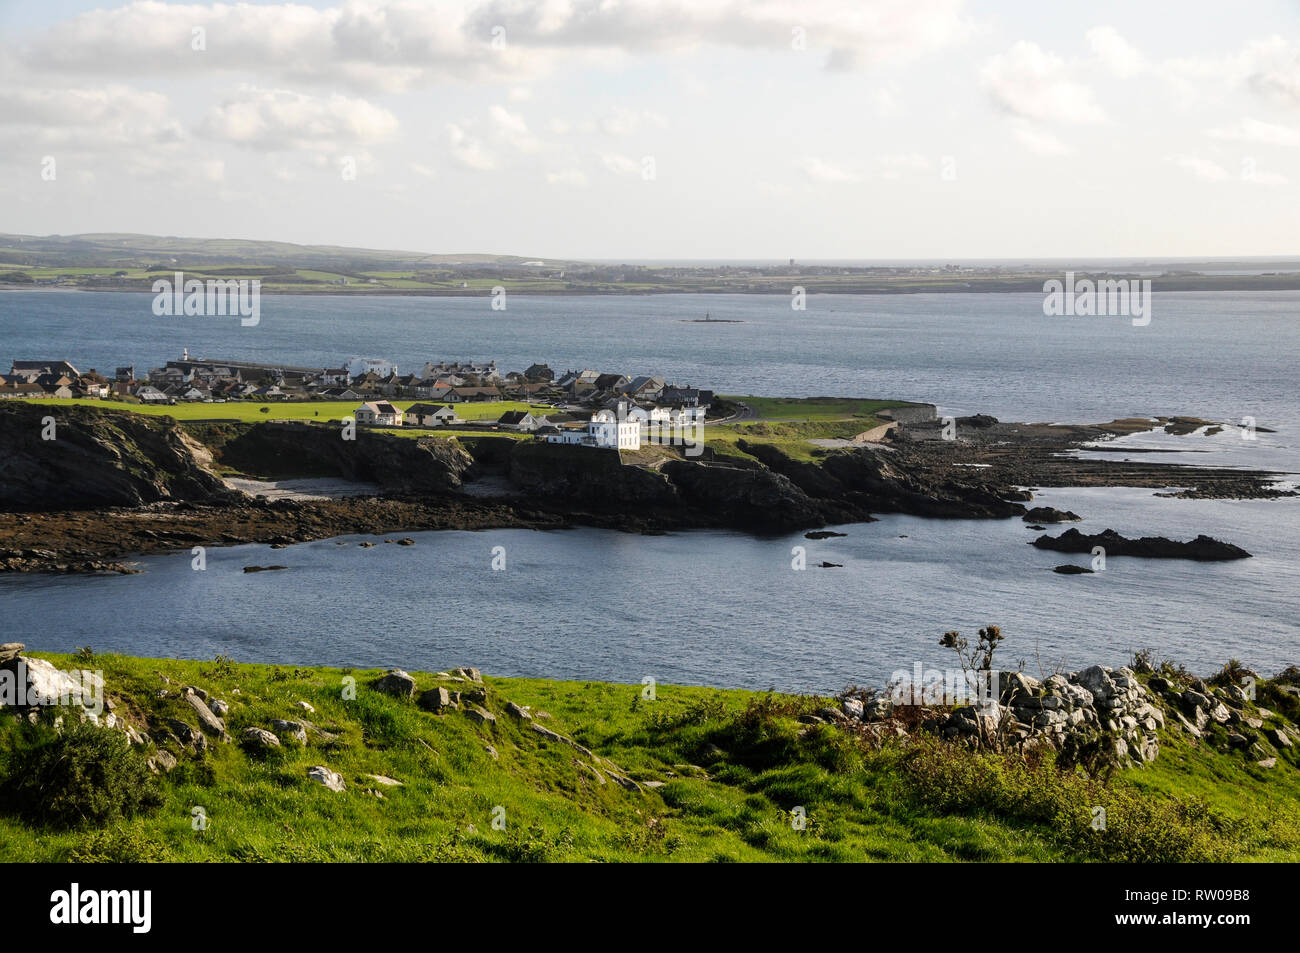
column 946, row 779
column 118, row 846
column 85, row 776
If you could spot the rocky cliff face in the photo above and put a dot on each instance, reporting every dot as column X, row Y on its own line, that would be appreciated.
column 397, row 464
column 869, row 481
column 585, row 475
column 95, row 460
column 776, row 494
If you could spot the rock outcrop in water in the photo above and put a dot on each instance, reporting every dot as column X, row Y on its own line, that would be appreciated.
column 1050, row 514
column 1202, row 548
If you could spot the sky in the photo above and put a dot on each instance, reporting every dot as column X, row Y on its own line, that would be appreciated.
column 638, row 129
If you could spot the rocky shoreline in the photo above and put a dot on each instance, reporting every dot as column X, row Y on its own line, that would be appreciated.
column 115, row 485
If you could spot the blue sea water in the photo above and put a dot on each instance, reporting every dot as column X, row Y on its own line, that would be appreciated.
column 724, row 608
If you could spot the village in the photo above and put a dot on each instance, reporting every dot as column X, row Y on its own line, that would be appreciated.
column 578, row 407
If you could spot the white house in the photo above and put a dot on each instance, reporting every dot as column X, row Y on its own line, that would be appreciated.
column 650, row 417
column 430, row 415
column 151, row 395
column 365, row 365
column 604, row 430
column 687, row 416
column 522, row 421
column 378, row 413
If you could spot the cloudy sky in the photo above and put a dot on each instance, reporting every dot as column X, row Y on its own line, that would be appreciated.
column 646, row 129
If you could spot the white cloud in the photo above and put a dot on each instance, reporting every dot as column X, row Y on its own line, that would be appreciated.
column 278, row 119
column 1115, row 53
column 1031, row 83
column 570, row 177
column 819, row 170
column 1253, row 130
column 1039, row 141
column 1205, row 169
column 1266, row 67
column 1266, row 178
column 620, row 164
column 1277, row 73
column 625, row 122
column 397, row 44
column 885, row 100
column 89, row 118
column 511, row 129
column 469, row 151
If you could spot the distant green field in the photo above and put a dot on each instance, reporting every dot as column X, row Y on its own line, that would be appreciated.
column 321, row 410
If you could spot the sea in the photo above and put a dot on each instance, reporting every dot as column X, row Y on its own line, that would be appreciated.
column 719, row 608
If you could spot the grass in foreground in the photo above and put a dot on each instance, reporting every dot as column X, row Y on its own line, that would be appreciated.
column 733, row 766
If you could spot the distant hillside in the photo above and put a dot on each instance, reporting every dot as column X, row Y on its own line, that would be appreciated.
column 124, row 250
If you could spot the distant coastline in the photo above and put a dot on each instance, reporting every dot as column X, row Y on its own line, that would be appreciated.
column 812, row 286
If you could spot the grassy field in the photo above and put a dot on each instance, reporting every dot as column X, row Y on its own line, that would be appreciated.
column 789, row 423
column 318, row 410
column 721, row 775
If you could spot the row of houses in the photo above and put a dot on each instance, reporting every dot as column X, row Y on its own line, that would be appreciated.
column 603, row 409
column 626, row 427
column 358, row 379
column 58, row 378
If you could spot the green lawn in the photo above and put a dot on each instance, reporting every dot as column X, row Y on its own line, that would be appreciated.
column 789, row 423
column 727, row 770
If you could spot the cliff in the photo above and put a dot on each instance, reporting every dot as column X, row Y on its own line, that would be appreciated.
column 93, row 459
column 275, row 451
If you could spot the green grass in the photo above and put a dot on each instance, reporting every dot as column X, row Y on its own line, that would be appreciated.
column 734, row 764
column 792, row 437
column 320, row 410
column 789, row 423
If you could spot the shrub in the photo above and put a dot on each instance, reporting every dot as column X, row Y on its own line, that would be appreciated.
column 946, row 779
column 84, row 776
column 118, row 846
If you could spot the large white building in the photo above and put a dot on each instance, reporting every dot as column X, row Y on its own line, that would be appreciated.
column 604, row 430
column 365, row 365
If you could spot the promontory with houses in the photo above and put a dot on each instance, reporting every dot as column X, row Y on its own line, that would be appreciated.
column 583, row 407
